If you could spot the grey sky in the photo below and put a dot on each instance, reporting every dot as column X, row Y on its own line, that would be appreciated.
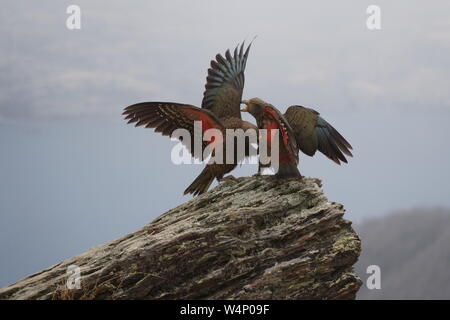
column 74, row 175
column 319, row 54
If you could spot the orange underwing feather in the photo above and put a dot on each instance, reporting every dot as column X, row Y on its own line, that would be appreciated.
column 277, row 124
column 200, row 115
column 274, row 120
column 166, row 117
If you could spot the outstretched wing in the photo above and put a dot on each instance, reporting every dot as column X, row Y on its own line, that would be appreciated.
column 165, row 117
column 273, row 119
column 314, row 133
column 331, row 142
column 303, row 122
column 225, row 83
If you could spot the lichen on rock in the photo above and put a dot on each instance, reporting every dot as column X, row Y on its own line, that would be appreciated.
column 251, row 238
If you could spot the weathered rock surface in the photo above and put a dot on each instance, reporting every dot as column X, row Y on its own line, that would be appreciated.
column 254, row 238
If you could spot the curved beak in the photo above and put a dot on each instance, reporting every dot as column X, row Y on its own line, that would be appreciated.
column 245, row 109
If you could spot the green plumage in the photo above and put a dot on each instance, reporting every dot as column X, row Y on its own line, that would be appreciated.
column 303, row 122
column 225, row 83
column 220, row 110
column 313, row 133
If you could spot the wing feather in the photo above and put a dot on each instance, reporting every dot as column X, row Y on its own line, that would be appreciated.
column 287, row 135
column 225, row 83
column 314, row 133
column 303, row 121
column 331, row 143
column 166, row 117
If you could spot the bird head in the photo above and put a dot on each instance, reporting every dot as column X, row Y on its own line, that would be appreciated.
column 254, row 106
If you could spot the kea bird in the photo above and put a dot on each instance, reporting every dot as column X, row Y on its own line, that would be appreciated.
column 300, row 128
column 220, row 109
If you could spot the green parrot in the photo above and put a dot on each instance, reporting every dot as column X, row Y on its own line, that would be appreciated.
column 301, row 129
column 220, row 109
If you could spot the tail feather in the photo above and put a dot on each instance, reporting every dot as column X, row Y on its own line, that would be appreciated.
column 201, row 183
column 288, row 170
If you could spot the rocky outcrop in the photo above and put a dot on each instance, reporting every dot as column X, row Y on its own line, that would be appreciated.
column 252, row 238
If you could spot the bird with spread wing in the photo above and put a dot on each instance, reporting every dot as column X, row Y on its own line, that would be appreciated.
column 220, row 109
column 300, row 128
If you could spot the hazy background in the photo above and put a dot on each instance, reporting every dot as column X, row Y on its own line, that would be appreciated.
column 411, row 247
column 74, row 175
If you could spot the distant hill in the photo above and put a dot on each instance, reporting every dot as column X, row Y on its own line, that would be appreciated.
column 412, row 249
